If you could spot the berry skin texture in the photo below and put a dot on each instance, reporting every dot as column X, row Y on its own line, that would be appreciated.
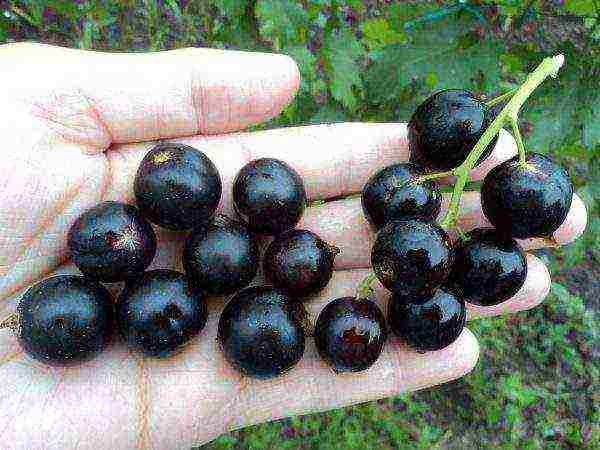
column 221, row 258
column 527, row 201
column 262, row 332
column 111, row 242
column 350, row 334
column 394, row 193
column 269, row 196
column 412, row 256
column 299, row 262
column 489, row 267
column 177, row 186
column 160, row 312
column 444, row 129
column 427, row 323
column 65, row 319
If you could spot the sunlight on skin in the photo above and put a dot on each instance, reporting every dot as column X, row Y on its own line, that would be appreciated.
column 73, row 137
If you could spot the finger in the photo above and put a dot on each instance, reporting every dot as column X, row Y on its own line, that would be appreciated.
column 343, row 224
column 97, row 98
column 333, row 160
column 312, row 386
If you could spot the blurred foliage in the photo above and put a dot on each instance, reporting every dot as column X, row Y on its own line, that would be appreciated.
column 536, row 385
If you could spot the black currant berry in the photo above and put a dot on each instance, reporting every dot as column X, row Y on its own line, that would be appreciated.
column 299, row 262
column 111, row 242
column 269, row 196
column 489, row 267
column 262, row 332
column 444, row 129
column 412, row 256
column 160, row 312
column 177, row 186
column 65, row 319
column 530, row 200
column 221, row 257
column 395, row 192
column 350, row 334
column 427, row 323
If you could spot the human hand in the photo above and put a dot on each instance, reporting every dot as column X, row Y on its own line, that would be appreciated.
column 75, row 126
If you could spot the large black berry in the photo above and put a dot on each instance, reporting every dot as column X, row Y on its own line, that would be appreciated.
column 221, row 257
column 427, row 323
column 160, row 312
column 350, row 334
column 299, row 262
column 111, row 242
column 177, row 186
column 530, row 200
column 261, row 332
column 65, row 319
column 269, row 196
column 444, row 129
column 489, row 267
column 412, row 256
column 395, row 192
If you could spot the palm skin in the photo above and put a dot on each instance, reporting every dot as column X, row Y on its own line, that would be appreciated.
column 74, row 127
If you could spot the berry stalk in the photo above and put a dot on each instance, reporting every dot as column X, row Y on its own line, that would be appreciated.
column 548, row 67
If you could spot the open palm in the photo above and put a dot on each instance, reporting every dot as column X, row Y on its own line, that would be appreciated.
column 74, row 127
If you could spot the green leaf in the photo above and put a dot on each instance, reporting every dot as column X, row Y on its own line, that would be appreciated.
column 341, row 53
column 580, row 7
column 563, row 109
column 282, row 22
column 591, row 125
column 441, row 60
column 377, row 34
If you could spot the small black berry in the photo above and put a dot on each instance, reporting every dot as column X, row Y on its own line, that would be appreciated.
column 530, row 200
column 111, row 242
column 444, row 129
column 350, row 334
column 427, row 323
column 177, row 186
column 412, row 256
column 395, row 192
column 262, row 332
column 221, row 257
column 65, row 319
column 269, row 196
column 299, row 262
column 489, row 267
column 160, row 312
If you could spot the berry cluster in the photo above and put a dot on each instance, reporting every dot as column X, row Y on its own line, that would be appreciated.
column 263, row 328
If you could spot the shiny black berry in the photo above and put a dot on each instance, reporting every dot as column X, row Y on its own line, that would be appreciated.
column 489, row 267
column 530, row 200
column 160, row 312
column 444, row 129
column 111, row 242
column 412, row 256
column 177, row 186
column 395, row 192
column 262, row 332
column 427, row 323
column 221, row 257
column 350, row 334
column 269, row 196
column 65, row 319
column 299, row 262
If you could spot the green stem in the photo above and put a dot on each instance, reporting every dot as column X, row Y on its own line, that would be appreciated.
column 548, row 67
column 517, row 134
column 435, row 176
column 364, row 289
column 501, row 98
